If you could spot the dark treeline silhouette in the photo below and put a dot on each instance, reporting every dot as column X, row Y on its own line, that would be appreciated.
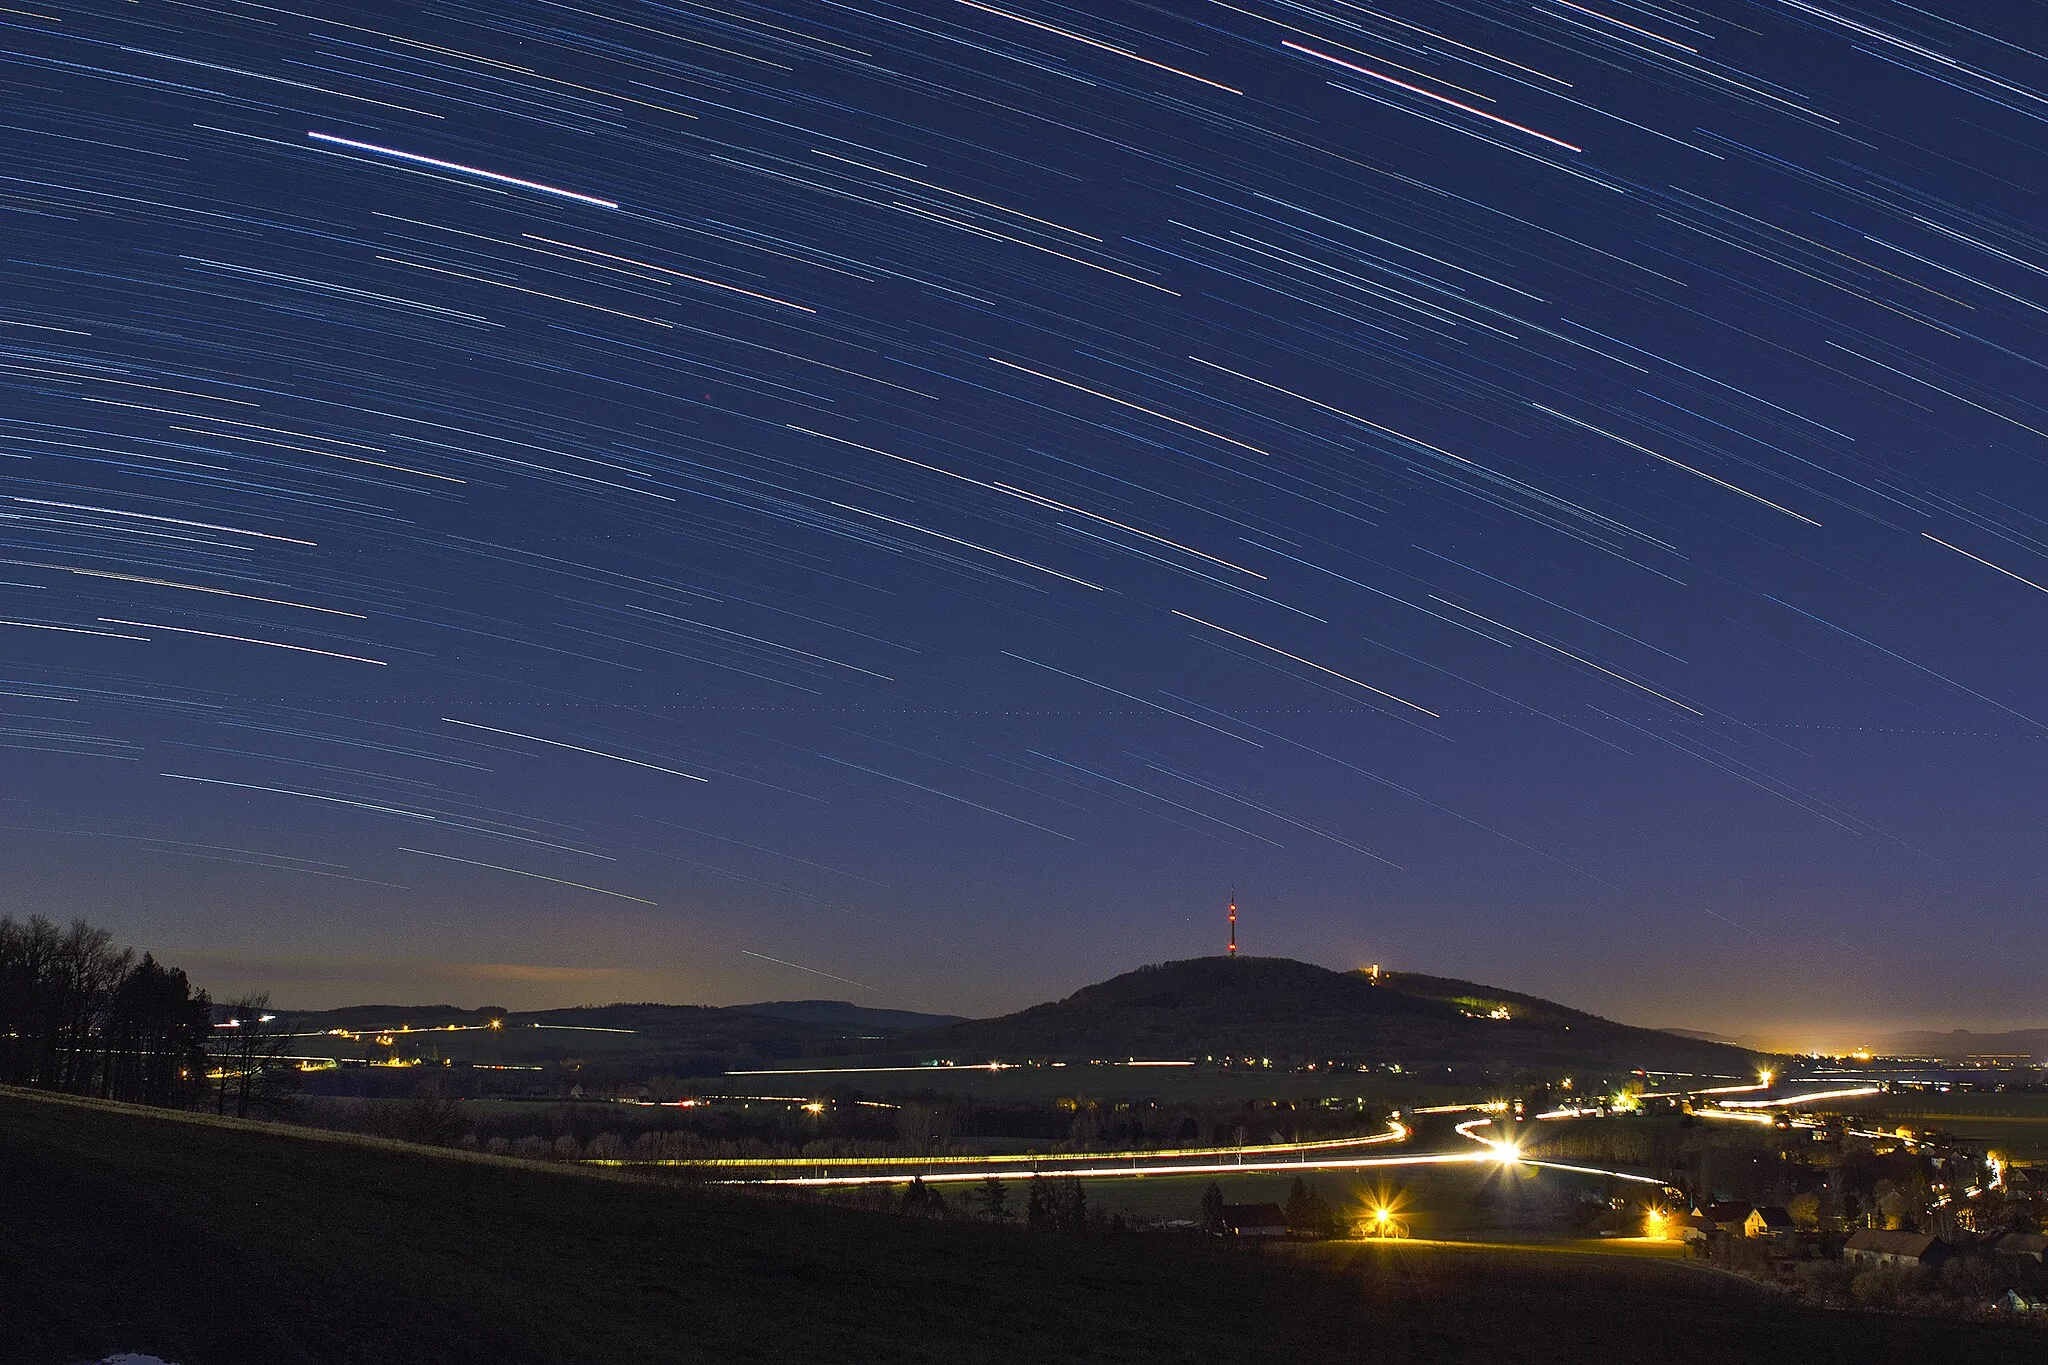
column 80, row 1016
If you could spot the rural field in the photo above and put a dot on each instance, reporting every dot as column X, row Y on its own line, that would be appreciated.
column 236, row 1242
column 2012, row 1124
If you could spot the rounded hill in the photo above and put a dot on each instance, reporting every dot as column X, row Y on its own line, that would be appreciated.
column 1294, row 1012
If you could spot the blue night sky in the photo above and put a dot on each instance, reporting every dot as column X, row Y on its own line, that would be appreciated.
column 543, row 502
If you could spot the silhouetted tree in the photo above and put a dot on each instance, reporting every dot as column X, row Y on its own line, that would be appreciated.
column 994, row 1199
column 248, row 1049
column 1307, row 1213
column 1212, row 1210
column 1067, row 1205
column 153, row 1044
column 55, row 988
column 1038, row 1214
column 78, row 1015
column 1805, row 1210
column 429, row 1117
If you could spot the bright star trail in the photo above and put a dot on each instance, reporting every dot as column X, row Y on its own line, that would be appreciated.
column 1548, row 493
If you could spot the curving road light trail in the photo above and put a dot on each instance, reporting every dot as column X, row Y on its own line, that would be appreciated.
column 1329, row 1153
column 1335, row 1154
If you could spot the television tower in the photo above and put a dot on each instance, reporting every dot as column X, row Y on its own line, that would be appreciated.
column 1233, row 922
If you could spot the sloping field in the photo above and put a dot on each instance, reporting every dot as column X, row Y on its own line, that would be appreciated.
column 215, row 1243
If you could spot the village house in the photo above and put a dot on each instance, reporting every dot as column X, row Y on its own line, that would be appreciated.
column 1254, row 1220
column 1730, row 1217
column 1693, row 1227
column 1871, row 1247
column 1772, row 1221
column 2031, row 1246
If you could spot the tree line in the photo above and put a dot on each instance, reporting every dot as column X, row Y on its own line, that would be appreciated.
column 80, row 1016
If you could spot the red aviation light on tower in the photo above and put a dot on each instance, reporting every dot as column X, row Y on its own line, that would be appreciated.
column 1233, row 924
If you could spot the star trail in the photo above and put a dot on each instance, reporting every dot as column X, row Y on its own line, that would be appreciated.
column 933, row 494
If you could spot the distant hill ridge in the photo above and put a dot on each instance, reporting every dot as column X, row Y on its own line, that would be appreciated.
column 1957, row 1044
column 1262, row 1007
column 626, row 1041
column 827, row 1014
column 846, row 1014
column 1280, row 1008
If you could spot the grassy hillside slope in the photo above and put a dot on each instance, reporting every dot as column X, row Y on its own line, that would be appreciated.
column 213, row 1243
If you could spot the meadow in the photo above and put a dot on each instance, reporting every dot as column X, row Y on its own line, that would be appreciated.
column 216, row 1242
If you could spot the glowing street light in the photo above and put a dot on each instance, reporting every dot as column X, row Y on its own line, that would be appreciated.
column 1382, row 1221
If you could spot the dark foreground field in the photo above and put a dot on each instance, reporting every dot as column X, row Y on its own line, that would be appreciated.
column 215, row 1244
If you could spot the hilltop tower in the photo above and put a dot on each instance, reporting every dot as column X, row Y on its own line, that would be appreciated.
column 1233, row 922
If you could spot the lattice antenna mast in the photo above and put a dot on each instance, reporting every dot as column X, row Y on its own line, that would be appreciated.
column 1233, row 921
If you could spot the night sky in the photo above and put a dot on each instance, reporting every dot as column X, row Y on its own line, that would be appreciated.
column 542, row 502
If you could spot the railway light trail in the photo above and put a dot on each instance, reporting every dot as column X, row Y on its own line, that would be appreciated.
column 1848, row 1093
column 1125, row 1170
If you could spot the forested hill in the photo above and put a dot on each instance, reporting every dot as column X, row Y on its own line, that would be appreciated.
column 1294, row 1011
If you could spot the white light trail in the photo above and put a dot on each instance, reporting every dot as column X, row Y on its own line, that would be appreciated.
column 812, row 970
column 74, row 630
column 1576, row 658
column 1431, row 94
column 933, row 1070
column 1395, row 1133
column 310, row 796
column 955, row 540
column 860, row 1070
column 665, row 270
column 198, row 587
column 1127, row 1170
column 519, row 872
column 1985, row 562
column 244, row 639
column 461, row 169
column 169, row 521
column 1680, row 464
column 1854, row 1092
column 1310, row 662
column 556, row 743
column 1093, row 42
